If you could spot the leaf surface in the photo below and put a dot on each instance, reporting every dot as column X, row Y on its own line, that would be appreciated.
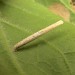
column 51, row 54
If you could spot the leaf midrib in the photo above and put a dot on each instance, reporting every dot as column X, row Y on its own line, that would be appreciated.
column 9, row 52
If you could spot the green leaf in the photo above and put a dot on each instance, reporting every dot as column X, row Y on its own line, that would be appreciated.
column 51, row 54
